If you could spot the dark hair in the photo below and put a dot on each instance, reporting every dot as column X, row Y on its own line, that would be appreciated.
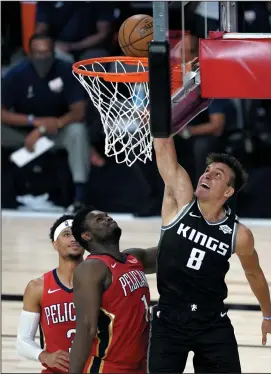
column 57, row 223
column 78, row 225
column 41, row 36
column 240, row 176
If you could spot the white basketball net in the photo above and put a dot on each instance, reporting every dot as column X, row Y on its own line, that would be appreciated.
column 123, row 110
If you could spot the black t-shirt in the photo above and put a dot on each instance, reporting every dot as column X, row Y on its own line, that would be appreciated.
column 25, row 92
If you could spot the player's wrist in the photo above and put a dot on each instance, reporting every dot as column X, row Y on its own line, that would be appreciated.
column 267, row 317
column 31, row 120
column 42, row 357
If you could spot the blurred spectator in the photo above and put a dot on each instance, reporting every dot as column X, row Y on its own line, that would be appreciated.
column 253, row 17
column 82, row 29
column 41, row 96
column 205, row 131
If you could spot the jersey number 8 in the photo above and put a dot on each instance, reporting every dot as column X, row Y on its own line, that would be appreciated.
column 195, row 259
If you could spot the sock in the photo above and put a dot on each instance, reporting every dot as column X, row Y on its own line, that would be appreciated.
column 80, row 191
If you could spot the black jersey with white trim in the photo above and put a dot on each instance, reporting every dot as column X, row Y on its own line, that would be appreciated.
column 193, row 258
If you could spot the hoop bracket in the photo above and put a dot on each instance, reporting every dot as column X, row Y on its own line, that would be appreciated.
column 160, row 89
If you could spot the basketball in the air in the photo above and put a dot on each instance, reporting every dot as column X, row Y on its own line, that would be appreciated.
column 135, row 34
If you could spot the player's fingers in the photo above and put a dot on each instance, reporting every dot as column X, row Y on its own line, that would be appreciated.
column 264, row 338
column 63, row 362
column 61, row 367
column 64, row 355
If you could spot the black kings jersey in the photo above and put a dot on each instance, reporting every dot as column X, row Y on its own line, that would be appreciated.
column 193, row 258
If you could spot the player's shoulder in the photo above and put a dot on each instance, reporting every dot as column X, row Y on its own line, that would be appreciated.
column 93, row 261
column 244, row 240
column 35, row 287
column 244, row 232
column 91, row 268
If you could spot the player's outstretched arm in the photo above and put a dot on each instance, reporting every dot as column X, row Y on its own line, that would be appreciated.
column 178, row 186
column 255, row 276
column 28, row 325
column 147, row 257
column 88, row 286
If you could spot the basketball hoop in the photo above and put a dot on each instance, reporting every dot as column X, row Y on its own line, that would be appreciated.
column 118, row 88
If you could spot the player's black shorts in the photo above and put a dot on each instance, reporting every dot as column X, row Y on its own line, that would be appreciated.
column 209, row 335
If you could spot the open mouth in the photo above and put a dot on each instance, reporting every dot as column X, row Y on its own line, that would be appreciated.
column 205, row 185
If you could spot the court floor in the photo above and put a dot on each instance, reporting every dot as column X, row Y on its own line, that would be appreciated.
column 27, row 253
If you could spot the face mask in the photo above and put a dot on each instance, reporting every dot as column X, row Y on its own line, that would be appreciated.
column 42, row 66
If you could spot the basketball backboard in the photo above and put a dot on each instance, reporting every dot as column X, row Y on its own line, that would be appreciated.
column 171, row 110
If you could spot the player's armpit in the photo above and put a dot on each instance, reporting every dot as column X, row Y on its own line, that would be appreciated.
column 32, row 295
column 147, row 257
column 88, row 284
column 178, row 187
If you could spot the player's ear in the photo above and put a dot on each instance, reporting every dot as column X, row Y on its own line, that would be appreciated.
column 229, row 192
column 55, row 245
column 86, row 236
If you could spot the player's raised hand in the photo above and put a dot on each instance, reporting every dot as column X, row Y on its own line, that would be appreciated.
column 58, row 360
column 266, row 329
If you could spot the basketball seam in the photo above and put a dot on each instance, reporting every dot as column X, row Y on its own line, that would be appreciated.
column 130, row 44
column 129, row 48
column 131, row 31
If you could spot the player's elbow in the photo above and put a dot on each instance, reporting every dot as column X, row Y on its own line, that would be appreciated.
column 256, row 271
column 27, row 348
column 20, row 346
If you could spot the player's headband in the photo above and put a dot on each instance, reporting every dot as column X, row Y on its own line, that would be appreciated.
column 61, row 227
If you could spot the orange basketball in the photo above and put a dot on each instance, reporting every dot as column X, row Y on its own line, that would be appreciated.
column 135, row 34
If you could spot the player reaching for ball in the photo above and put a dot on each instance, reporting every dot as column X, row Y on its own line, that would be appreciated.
column 48, row 301
column 112, row 297
column 199, row 235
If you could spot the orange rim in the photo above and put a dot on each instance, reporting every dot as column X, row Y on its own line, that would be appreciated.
column 114, row 77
